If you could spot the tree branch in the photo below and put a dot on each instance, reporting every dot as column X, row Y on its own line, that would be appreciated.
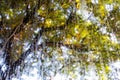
column 8, row 42
column 24, row 55
column 76, row 47
column 11, row 36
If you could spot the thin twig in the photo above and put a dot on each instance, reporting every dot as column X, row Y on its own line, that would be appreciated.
column 11, row 36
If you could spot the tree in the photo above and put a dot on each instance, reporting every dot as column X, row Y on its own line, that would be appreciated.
column 84, row 28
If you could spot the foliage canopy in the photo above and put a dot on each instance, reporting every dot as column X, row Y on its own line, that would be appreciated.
column 85, row 28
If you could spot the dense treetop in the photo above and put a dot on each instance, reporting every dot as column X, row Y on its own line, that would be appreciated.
column 89, row 29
